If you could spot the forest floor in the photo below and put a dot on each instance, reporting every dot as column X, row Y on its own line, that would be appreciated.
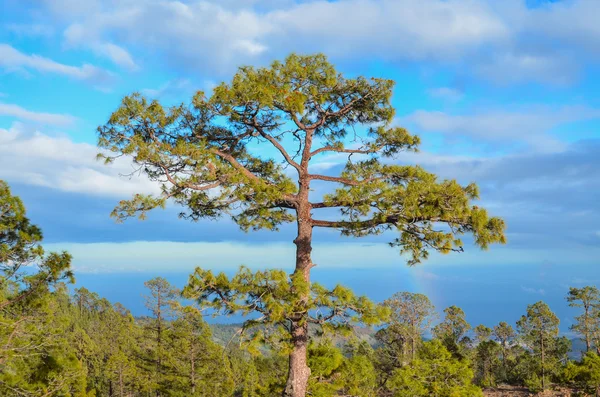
column 511, row 391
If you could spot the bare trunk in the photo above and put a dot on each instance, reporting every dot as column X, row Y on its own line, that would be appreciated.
column 543, row 369
column 588, row 344
column 158, row 341
column 299, row 372
column 193, row 373
column 504, row 369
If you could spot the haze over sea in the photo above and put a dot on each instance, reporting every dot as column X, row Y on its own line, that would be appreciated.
column 486, row 293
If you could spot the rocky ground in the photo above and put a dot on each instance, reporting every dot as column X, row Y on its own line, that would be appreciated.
column 510, row 391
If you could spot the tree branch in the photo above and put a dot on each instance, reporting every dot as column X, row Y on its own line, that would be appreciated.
column 330, row 148
column 275, row 143
column 344, row 181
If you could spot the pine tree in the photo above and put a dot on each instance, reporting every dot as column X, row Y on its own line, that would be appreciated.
column 436, row 372
column 196, row 366
column 588, row 323
column 302, row 108
column 160, row 303
column 411, row 317
column 452, row 331
column 538, row 329
column 34, row 355
column 504, row 334
column 274, row 297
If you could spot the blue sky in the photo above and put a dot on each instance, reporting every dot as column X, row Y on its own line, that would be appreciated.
column 502, row 93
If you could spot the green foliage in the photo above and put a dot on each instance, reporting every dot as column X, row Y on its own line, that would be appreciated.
column 584, row 374
column 588, row 323
column 487, row 363
column 434, row 373
column 35, row 358
column 278, row 299
column 325, row 361
column 273, row 371
column 538, row 330
column 482, row 333
column 452, row 332
column 195, row 365
column 358, row 373
column 411, row 317
column 19, row 239
column 504, row 334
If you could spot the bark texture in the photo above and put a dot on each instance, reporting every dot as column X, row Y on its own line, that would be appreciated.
column 299, row 372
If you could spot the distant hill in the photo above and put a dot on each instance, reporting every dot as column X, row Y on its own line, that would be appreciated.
column 577, row 348
column 226, row 333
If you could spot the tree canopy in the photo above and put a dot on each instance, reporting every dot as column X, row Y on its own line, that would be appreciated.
column 210, row 157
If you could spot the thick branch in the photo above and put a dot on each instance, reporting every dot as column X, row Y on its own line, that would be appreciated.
column 337, row 179
column 357, row 225
column 342, row 150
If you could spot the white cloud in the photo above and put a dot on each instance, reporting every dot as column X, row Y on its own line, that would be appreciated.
column 213, row 36
column 30, row 30
column 7, row 109
column 171, row 87
column 446, row 93
column 407, row 29
column 530, row 124
column 530, row 290
column 31, row 157
column 510, row 68
column 506, row 42
column 12, row 59
column 77, row 36
column 193, row 35
column 116, row 54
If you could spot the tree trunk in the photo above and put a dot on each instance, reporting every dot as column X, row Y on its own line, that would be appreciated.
column 193, row 373
column 586, row 323
column 299, row 372
column 158, row 341
column 121, row 382
column 543, row 369
column 504, row 369
column 588, row 344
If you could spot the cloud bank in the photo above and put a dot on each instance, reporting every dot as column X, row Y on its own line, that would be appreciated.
column 503, row 42
column 31, row 157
